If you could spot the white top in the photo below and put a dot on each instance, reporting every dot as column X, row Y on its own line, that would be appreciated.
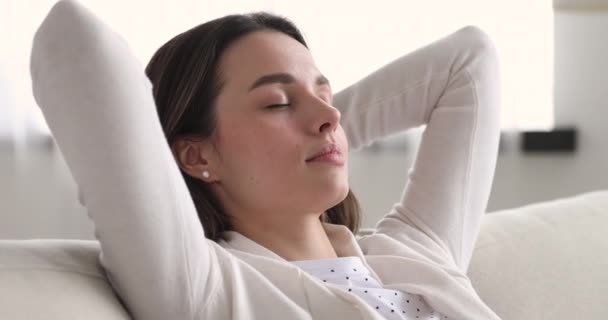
column 98, row 103
column 351, row 275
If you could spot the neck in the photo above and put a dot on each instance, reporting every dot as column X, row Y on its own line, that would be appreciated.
column 302, row 238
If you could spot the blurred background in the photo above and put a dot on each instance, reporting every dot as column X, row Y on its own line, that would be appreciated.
column 554, row 76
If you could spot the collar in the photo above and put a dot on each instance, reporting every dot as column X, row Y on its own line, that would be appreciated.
column 342, row 239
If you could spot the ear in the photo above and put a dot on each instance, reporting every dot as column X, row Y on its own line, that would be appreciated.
column 194, row 156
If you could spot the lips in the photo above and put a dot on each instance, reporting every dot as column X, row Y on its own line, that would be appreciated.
column 325, row 150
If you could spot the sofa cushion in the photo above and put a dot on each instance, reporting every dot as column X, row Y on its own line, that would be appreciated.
column 55, row 279
column 546, row 260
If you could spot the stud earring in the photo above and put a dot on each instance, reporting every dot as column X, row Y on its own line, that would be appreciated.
column 205, row 174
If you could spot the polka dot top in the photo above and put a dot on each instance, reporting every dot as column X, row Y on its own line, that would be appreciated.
column 350, row 274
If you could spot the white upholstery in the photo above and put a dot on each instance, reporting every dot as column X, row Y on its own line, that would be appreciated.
column 541, row 261
column 545, row 260
column 55, row 279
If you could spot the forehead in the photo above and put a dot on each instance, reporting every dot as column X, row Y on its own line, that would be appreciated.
column 263, row 52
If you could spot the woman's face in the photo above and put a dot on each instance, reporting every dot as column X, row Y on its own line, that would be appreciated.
column 262, row 167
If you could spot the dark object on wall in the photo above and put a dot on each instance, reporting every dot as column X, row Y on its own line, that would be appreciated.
column 557, row 139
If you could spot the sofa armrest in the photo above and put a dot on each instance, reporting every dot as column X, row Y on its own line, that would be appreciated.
column 546, row 260
column 55, row 279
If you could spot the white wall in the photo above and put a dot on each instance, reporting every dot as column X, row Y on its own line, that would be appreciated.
column 38, row 195
column 581, row 75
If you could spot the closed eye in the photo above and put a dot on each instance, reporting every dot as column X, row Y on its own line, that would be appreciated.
column 275, row 106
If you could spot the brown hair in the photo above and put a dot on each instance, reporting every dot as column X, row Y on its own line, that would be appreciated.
column 186, row 83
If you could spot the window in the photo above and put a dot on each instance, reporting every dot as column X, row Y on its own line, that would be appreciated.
column 348, row 40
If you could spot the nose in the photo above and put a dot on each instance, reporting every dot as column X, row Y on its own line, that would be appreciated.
column 326, row 117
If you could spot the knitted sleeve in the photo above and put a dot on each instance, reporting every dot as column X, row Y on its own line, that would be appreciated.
column 451, row 86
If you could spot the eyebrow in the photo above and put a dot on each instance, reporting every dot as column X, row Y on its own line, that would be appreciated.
column 284, row 78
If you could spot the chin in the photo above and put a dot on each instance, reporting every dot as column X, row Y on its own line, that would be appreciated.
column 339, row 194
column 330, row 192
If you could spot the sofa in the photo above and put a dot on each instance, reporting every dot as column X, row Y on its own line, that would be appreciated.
column 545, row 260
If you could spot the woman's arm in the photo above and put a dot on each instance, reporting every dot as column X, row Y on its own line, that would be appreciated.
column 453, row 86
column 98, row 104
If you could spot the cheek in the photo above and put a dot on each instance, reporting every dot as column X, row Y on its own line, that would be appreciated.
column 342, row 136
column 261, row 151
column 274, row 150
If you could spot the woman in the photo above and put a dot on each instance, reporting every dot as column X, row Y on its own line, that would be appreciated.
column 246, row 114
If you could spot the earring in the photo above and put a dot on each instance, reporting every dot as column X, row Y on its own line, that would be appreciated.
column 205, row 174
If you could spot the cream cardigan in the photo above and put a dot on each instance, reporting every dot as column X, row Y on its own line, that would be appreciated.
column 98, row 104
